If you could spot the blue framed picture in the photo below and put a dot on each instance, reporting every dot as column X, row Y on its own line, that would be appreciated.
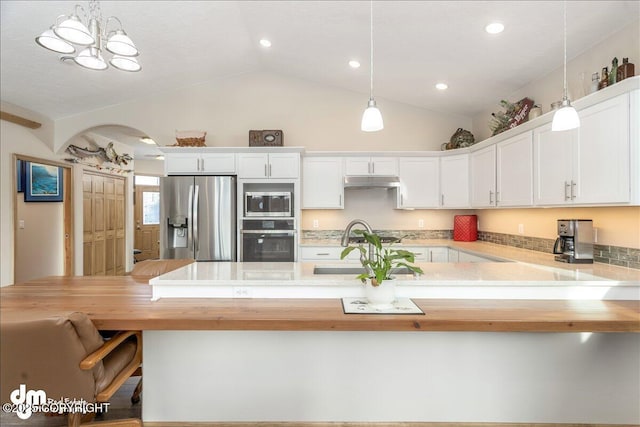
column 43, row 183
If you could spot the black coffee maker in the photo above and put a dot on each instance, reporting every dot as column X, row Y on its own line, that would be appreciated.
column 575, row 241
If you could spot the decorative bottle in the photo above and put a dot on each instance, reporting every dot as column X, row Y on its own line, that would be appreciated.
column 595, row 80
column 613, row 75
column 604, row 80
column 626, row 70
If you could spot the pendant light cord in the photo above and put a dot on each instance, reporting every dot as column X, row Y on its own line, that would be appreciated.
column 565, row 50
column 371, row 53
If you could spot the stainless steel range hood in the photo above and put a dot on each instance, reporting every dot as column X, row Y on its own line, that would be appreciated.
column 371, row 182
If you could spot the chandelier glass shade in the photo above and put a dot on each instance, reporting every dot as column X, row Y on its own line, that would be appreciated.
column 92, row 37
column 566, row 117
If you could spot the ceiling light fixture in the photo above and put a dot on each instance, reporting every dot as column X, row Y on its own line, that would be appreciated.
column 372, row 118
column 494, row 28
column 442, row 86
column 265, row 43
column 70, row 29
column 354, row 64
column 566, row 117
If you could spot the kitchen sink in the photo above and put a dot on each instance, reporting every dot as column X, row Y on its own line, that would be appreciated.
column 325, row 269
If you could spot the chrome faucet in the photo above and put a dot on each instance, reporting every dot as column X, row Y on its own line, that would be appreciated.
column 347, row 231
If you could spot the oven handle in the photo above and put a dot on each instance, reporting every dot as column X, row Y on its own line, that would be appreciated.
column 280, row 232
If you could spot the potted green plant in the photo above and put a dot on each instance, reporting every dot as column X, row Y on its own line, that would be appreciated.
column 379, row 265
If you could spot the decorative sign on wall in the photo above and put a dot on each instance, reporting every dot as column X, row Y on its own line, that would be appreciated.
column 42, row 183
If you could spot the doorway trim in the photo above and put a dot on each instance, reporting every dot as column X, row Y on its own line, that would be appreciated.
column 67, row 206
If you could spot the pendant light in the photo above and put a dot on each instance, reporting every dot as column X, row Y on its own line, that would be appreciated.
column 371, row 119
column 566, row 117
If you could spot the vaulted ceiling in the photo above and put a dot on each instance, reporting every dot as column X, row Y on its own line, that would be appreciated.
column 417, row 43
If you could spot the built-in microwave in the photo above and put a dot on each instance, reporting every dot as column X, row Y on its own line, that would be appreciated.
column 268, row 203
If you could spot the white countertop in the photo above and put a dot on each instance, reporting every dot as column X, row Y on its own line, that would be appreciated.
column 531, row 275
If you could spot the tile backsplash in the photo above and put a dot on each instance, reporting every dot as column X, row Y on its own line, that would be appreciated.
column 614, row 255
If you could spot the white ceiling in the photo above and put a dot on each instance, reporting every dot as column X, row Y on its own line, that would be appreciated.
column 417, row 43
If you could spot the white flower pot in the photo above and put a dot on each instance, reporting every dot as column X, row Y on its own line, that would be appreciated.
column 381, row 296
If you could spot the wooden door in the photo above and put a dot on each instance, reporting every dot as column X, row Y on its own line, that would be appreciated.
column 147, row 218
column 103, row 224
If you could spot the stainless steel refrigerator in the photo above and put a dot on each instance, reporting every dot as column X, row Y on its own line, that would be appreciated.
column 198, row 217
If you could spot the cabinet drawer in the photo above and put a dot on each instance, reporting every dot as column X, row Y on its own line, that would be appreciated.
column 329, row 253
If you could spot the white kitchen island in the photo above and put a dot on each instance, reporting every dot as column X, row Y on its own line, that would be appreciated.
column 487, row 348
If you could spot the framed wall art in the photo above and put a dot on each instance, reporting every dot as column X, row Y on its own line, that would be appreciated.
column 42, row 183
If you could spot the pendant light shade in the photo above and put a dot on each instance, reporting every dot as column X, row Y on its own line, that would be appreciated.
column 125, row 63
column 49, row 40
column 372, row 118
column 566, row 117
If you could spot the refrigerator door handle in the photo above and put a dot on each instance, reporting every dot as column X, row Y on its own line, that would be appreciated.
column 196, row 238
column 190, row 213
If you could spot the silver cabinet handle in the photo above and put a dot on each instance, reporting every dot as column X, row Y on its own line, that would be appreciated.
column 340, row 200
column 490, row 197
column 373, row 167
column 323, row 254
column 442, row 199
column 430, row 256
column 567, row 186
column 497, row 197
column 265, row 170
column 269, row 169
column 369, row 167
column 401, row 199
column 573, row 187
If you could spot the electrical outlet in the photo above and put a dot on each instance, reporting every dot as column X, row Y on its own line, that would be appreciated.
column 21, row 224
column 520, row 228
column 595, row 235
column 241, row 292
column 316, row 223
column 421, row 223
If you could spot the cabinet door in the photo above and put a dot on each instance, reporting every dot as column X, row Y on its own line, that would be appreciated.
column 419, row 182
column 483, row 177
column 552, row 163
column 421, row 253
column 181, row 163
column 322, row 183
column 515, row 171
column 219, row 163
column 284, row 165
column 438, row 255
column 602, row 170
column 454, row 181
column 357, row 166
column 253, row 165
column 384, row 166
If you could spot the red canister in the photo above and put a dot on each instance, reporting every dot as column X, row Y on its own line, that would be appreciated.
column 465, row 228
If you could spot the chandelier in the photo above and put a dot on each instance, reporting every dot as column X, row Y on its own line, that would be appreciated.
column 92, row 37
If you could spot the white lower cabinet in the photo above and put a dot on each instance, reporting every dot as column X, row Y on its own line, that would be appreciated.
column 322, row 183
column 460, row 256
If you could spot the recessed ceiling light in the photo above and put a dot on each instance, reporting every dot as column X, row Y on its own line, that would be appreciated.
column 265, row 43
column 494, row 28
column 441, row 86
column 354, row 64
column 147, row 140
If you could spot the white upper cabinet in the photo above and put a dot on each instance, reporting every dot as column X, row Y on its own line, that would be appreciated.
column 382, row 166
column 588, row 165
column 515, row 171
column 200, row 163
column 602, row 170
column 454, row 181
column 269, row 165
column 553, row 166
column 483, row 177
column 322, row 183
column 419, row 182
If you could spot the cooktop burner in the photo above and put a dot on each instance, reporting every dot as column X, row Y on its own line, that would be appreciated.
column 383, row 239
